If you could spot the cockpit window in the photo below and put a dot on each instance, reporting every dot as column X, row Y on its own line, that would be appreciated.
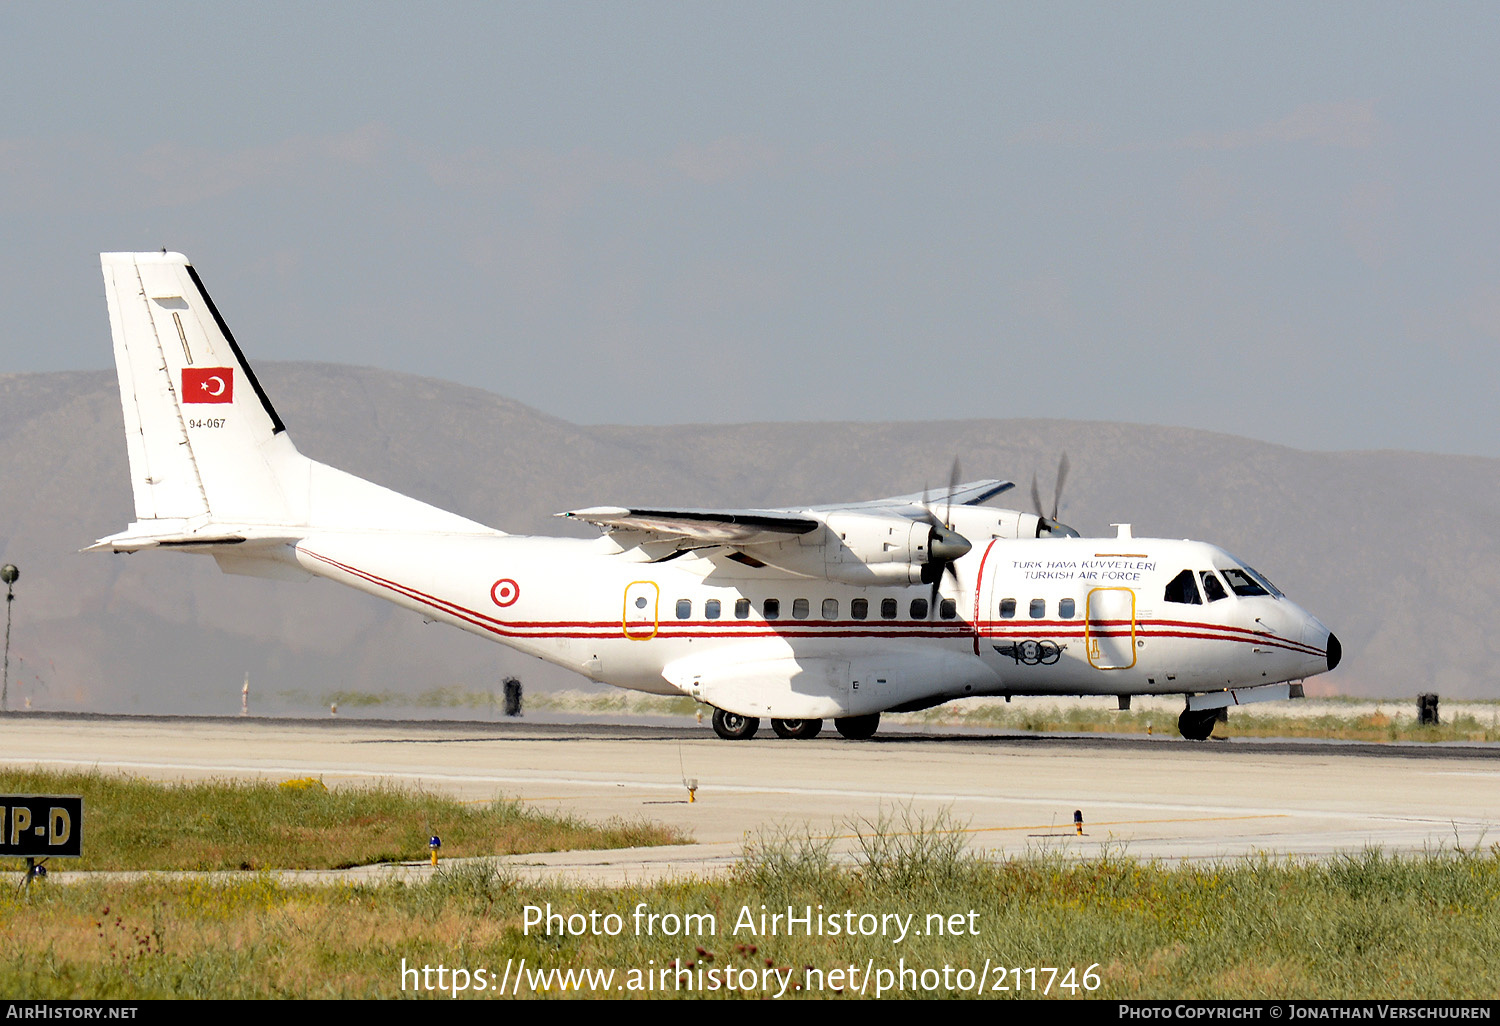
column 1182, row 589
column 1241, row 583
column 1212, row 586
column 1262, row 579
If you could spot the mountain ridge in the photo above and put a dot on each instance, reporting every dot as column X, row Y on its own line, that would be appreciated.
column 1397, row 551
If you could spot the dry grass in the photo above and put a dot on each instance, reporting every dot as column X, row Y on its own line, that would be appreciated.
column 221, row 825
column 1366, row 925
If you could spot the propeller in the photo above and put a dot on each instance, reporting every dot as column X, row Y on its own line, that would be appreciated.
column 945, row 546
column 1051, row 525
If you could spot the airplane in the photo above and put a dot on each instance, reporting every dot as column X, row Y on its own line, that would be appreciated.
column 798, row 615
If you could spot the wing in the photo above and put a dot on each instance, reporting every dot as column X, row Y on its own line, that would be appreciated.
column 700, row 527
column 970, row 494
column 766, row 526
column 894, row 541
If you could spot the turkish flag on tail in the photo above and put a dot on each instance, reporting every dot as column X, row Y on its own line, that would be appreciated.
column 208, row 384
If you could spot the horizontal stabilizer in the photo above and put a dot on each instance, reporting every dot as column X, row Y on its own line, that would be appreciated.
column 213, row 536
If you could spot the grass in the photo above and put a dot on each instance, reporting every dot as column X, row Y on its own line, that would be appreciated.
column 1359, row 723
column 1365, row 925
column 221, row 825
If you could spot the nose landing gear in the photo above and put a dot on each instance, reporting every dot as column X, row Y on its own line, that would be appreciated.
column 1198, row 725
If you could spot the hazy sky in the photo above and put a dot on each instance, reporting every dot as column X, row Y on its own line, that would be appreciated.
column 1274, row 220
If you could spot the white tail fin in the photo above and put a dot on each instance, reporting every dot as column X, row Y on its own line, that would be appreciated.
column 210, row 460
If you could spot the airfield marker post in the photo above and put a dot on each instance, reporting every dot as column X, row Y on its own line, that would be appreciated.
column 8, row 574
column 1427, row 709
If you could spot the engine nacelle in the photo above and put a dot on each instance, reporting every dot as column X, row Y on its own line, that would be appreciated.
column 864, row 549
column 856, row 548
column 977, row 522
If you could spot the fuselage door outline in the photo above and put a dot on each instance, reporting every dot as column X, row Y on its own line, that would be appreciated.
column 639, row 620
column 1107, row 646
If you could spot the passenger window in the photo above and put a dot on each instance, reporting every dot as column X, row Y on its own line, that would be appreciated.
column 1182, row 589
column 887, row 609
column 799, row 609
column 772, row 608
column 1242, row 583
column 919, row 609
column 859, row 608
column 947, row 609
column 742, row 609
column 830, row 609
column 684, row 608
column 1038, row 608
column 1211, row 586
column 1007, row 608
column 1065, row 609
column 711, row 609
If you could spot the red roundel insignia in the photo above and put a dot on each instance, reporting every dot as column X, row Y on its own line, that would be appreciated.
column 505, row 592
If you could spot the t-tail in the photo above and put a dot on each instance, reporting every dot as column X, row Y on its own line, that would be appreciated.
column 211, row 465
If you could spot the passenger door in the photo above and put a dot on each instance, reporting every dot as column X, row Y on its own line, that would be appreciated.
column 1109, row 632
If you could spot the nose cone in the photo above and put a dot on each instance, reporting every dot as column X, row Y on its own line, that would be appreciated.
column 1315, row 636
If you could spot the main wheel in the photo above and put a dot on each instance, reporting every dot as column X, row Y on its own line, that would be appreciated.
column 1197, row 726
column 858, row 728
column 734, row 727
column 797, row 729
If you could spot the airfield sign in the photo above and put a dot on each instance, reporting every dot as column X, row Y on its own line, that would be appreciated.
column 41, row 826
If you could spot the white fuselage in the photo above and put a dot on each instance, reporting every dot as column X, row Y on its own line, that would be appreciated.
column 796, row 614
column 1053, row 616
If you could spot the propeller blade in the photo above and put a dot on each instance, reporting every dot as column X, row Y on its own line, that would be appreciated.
column 944, row 545
column 1036, row 496
column 928, row 516
column 953, row 478
column 1062, row 475
column 937, row 583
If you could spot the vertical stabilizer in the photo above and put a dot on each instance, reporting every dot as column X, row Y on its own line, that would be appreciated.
column 204, row 441
column 210, row 460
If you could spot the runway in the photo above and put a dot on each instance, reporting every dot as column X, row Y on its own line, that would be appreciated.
column 1159, row 798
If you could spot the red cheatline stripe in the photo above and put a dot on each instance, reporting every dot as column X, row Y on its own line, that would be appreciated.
column 978, row 590
column 942, row 630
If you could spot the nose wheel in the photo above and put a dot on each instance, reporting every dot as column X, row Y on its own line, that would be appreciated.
column 734, row 727
column 1197, row 726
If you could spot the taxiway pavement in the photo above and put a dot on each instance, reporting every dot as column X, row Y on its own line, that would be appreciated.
column 1160, row 798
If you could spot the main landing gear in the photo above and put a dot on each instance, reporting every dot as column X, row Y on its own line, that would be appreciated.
column 858, row 728
column 734, row 727
column 797, row 730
